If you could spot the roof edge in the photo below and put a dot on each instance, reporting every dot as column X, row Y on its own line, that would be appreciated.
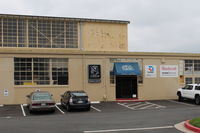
column 66, row 18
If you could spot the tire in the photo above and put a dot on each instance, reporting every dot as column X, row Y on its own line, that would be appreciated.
column 68, row 107
column 180, row 98
column 61, row 103
column 53, row 111
column 30, row 111
column 88, row 109
column 197, row 100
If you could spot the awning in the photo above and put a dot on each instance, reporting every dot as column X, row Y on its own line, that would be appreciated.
column 126, row 68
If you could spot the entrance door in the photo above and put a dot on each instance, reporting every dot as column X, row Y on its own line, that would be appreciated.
column 126, row 86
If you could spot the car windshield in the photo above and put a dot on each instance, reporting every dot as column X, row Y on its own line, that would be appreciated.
column 41, row 96
column 79, row 94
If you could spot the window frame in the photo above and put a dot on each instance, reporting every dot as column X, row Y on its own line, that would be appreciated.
column 32, row 82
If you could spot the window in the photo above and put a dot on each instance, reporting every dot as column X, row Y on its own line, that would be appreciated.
column 41, row 33
column 188, row 87
column 188, row 80
column 58, row 39
column 197, row 87
column 189, row 66
column 71, row 35
column 59, row 71
column 197, row 80
column 196, row 65
column 192, row 66
column 41, row 71
column 44, row 34
column 23, row 71
column 9, row 32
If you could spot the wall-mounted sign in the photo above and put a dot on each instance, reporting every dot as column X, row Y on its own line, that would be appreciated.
column 5, row 92
column 94, row 73
column 168, row 71
column 150, row 71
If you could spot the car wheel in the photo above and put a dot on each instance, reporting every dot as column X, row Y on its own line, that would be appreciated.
column 197, row 100
column 180, row 98
column 68, row 107
column 53, row 110
column 30, row 111
column 88, row 109
column 61, row 102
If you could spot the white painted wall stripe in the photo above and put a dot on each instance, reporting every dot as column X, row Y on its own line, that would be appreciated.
column 130, row 129
column 22, row 107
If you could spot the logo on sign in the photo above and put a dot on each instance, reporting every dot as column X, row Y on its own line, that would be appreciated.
column 127, row 67
column 151, row 69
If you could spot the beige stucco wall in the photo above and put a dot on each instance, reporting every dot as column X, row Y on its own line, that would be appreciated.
column 151, row 89
column 104, row 37
column 159, row 87
column 7, row 80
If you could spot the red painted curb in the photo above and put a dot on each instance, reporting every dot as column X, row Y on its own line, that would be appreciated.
column 191, row 127
column 123, row 101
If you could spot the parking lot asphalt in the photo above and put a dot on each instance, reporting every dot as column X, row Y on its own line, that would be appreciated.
column 139, row 117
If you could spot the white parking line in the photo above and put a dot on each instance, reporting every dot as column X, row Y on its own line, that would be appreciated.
column 96, row 109
column 180, row 103
column 130, row 129
column 125, row 106
column 143, row 104
column 22, row 107
column 133, row 104
column 60, row 109
column 147, row 106
column 158, row 106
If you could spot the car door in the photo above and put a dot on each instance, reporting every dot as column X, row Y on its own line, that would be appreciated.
column 183, row 91
column 189, row 91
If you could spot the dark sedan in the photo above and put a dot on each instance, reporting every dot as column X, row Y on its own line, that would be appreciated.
column 75, row 100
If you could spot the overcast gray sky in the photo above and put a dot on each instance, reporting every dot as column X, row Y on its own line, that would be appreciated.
column 156, row 25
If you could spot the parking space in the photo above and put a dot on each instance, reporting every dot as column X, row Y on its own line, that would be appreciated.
column 27, row 113
column 175, row 103
column 64, row 110
column 141, row 105
column 8, row 111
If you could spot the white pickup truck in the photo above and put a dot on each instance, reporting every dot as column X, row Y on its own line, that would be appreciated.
column 190, row 91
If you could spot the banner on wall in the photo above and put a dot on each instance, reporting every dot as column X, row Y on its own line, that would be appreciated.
column 94, row 73
column 168, row 71
column 150, row 71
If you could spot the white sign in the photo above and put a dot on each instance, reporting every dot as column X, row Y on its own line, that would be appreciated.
column 168, row 71
column 127, row 67
column 5, row 92
column 150, row 71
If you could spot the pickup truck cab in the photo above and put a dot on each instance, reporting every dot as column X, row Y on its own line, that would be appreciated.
column 190, row 91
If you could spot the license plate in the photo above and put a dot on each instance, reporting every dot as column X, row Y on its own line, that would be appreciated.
column 80, row 101
column 43, row 104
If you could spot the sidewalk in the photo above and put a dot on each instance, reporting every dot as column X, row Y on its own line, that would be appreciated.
column 181, row 127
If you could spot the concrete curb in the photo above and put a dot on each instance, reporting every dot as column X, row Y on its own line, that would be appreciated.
column 181, row 127
column 191, row 127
